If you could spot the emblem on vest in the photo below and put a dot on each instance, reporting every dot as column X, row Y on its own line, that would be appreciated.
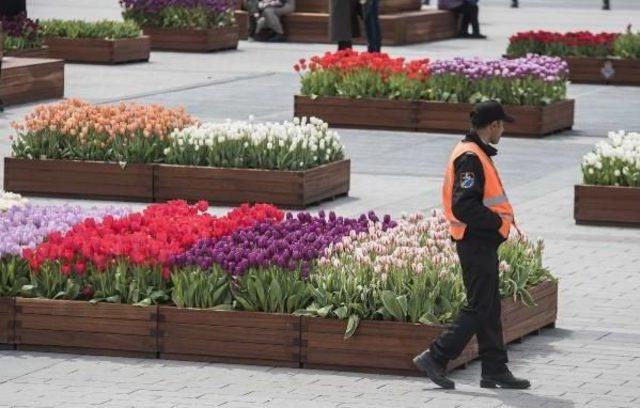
column 467, row 179
column 608, row 71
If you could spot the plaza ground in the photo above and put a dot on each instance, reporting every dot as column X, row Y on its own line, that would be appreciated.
column 591, row 359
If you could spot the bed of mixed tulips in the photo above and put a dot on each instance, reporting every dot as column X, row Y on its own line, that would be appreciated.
column 576, row 44
column 530, row 80
column 134, row 133
column 615, row 161
column 254, row 258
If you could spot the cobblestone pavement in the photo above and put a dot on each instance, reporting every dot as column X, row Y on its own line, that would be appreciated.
column 592, row 359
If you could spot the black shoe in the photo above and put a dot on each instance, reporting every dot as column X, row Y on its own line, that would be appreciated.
column 504, row 380
column 277, row 38
column 433, row 370
column 463, row 35
column 478, row 36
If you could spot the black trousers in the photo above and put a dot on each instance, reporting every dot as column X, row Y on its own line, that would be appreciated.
column 481, row 314
column 469, row 14
column 372, row 26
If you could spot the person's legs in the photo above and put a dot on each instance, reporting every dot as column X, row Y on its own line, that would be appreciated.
column 344, row 45
column 479, row 274
column 372, row 26
column 490, row 342
column 270, row 20
column 462, row 13
column 273, row 19
column 473, row 19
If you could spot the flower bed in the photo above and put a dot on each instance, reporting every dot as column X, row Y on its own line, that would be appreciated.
column 267, row 268
column 25, row 226
column 610, row 192
column 607, row 58
column 101, row 42
column 22, row 37
column 201, row 25
column 354, row 89
column 291, row 164
column 148, row 153
column 113, row 142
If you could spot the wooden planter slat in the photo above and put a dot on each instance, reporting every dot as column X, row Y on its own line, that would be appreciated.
column 362, row 113
column 234, row 186
column 79, row 179
column 78, row 323
column 390, row 346
column 590, row 71
column 7, row 317
column 377, row 346
column 531, row 121
column 83, row 327
column 607, row 205
column 100, row 50
column 149, row 182
column 26, row 80
column 194, row 40
column 40, row 52
column 234, row 337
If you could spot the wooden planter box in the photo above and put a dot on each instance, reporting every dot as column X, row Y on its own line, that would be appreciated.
column 381, row 347
column 604, row 71
column 607, row 205
column 86, row 328
column 296, row 189
column 518, row 319
column 79, row 179
column 194, row 40
column 100, row 50
column 531, row 121
column 7, row 317
column 40, row 52
column 229, row 337
column 389, row 347
column 26, row 80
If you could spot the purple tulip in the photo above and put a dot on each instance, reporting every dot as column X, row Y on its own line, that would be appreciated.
column 538, row 66
column 292, row 244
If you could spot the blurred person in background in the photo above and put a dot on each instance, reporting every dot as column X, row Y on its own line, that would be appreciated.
column 344, row 24
column 467, row 11
column 264, row 18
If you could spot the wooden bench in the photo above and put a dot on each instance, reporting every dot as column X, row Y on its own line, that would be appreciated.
column 31, row 79
column 407, row 27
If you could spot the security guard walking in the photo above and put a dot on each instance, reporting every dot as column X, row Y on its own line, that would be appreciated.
column 480, row 219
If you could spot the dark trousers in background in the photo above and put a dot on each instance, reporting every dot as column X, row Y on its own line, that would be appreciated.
column 369, row 14
column 469, row 16
column 372, row 25
column 481, row 314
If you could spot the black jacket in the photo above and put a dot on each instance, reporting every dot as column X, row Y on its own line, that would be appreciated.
column 468, row 192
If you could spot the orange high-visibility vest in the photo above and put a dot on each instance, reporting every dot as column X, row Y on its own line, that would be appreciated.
column 494, row 196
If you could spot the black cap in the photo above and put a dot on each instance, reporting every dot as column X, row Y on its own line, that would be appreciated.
column 486, row 112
